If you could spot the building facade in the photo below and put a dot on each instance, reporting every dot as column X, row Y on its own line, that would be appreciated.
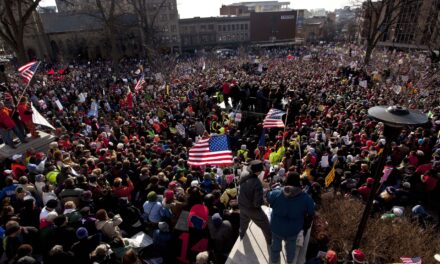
column 273, row 26
column 245, row 8
column 210, row 32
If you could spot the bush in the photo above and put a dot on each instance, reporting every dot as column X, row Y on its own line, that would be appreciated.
column 384, row 241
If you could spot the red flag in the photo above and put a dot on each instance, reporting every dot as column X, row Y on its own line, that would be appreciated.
column 62, row 71
column 51, row 72
column 289, row 57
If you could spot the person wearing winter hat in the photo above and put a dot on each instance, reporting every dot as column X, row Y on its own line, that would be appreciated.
column 222, row 237
column 358, row 256
column 153, row 210
column 292, row 211
column 250, row 200
column 85, row 245
column 51, row 205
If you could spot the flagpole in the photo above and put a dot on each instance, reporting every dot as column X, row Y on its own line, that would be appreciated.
column 25, row 89
column 285, row 126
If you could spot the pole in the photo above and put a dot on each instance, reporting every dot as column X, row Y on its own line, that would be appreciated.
column 390, row 133
column 285, row 127
column 25, row 89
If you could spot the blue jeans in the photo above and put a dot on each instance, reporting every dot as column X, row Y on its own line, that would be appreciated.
column 275, row 248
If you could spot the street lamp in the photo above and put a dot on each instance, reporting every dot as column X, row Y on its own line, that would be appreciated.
column 394, row 119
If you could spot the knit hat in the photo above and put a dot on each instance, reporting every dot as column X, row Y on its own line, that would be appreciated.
column 169, row 195
column 52, row 204
column 152, row 196
column 217, row 220
column 82, row 233
column 370, row 180
column 331, row 257
column 358, row 256
column 172, row 185
column 418, row 210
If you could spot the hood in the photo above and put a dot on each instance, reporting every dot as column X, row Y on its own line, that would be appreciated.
column 291, row 191
column 232, row 192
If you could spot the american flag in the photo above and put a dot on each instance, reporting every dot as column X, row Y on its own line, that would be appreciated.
column 139, row 83
column 414, row 260
column 28, row 70
column 211, row 151
column 274, row 118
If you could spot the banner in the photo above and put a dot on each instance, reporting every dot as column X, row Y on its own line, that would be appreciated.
column 37, row 118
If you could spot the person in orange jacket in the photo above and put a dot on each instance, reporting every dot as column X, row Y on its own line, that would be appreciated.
column 7, row 126
column 25, row 112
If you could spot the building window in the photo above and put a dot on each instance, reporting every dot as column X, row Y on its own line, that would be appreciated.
column 229, row 27
column 172, row 16
column 203, row 27
column 173, row 28
column 219, row 28
column 211, row 27
column 242, row 26
column 193, row 29
column 224, row 27
column 245, row 26
column 233, row 27
column 163, row 17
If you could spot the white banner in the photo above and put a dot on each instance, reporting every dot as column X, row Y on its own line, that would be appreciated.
column 37, row 118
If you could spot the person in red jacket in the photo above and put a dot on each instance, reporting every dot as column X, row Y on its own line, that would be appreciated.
column 121, row 191
column 7, row 126
column 25, row 112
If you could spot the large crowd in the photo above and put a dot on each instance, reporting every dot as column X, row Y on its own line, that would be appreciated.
column 118, row 168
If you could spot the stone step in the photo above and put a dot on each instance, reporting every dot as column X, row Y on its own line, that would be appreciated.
column 253, row 248
column 39, row 144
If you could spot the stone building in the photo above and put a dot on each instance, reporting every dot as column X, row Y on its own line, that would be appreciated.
column 78, row 30
column 416, row 25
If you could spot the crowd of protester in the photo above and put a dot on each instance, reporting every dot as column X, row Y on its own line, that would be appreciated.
column 119, row 166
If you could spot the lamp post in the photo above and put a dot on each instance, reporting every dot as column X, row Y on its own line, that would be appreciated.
column 394, row 119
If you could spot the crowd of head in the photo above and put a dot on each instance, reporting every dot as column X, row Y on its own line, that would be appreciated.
column 118, row 167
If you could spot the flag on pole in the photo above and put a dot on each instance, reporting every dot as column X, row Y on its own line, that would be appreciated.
column 273, row 118
column 262, row 141
column 414, row 260
column 330, row 177
column 139, row 83
column 214, row 151
column 37, row 118
column 28, row 70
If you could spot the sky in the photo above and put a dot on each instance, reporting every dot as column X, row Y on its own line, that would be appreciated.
column 207, row 8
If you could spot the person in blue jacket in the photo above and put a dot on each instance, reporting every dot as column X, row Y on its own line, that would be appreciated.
column 292, row 211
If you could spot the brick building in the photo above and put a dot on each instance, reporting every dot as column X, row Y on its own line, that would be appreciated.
column 273, row 26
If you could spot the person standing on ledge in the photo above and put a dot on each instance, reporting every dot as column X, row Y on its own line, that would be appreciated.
column 250, row 200
column 292, row 211
column 25, row 111
column 7, row 126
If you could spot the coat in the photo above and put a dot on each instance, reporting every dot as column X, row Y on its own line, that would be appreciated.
column 110, row 227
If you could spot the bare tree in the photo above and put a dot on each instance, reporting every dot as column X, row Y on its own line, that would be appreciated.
column 14, row 17
column 147, row 22
column 379, row 18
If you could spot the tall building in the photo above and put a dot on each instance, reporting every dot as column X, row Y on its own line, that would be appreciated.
column 245, row 8
column 273, row 26
column 411, row 26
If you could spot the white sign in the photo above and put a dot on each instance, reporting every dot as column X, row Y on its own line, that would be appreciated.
column 288, row 17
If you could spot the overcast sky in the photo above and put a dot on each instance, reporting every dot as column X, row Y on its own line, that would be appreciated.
column 206, row 8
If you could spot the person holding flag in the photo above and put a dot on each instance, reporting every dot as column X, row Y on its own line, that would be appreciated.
column 25, row 112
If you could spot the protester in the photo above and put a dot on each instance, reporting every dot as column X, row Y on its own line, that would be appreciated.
column 119, row 165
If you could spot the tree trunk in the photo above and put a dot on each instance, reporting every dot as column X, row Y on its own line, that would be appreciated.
column 20, row 52
column 368, row 54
